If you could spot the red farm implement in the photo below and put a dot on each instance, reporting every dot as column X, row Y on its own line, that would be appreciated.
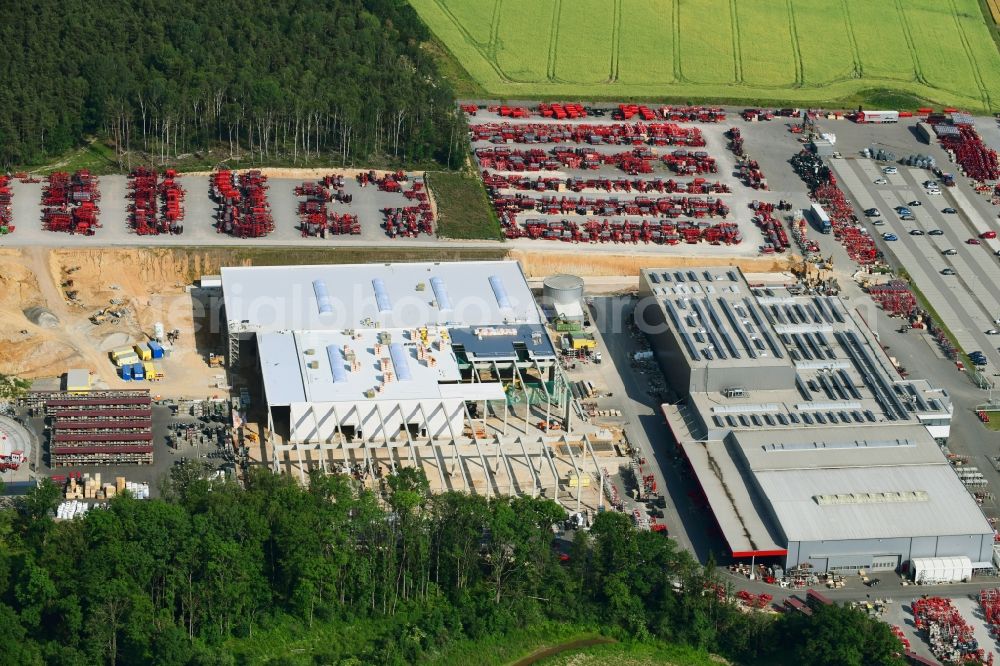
column 409, row 221
column 157, row 206
column 978, row 161
column 316, row 219
column 950, row 637
column 69, row 203
column 6, row 216
column 242, row 207
column 895, row 298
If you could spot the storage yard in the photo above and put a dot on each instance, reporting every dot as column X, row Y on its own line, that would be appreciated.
column 805, row 53
column 270, row 206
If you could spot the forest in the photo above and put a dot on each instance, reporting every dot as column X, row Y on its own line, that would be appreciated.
column 288, row 80
column 188, row 578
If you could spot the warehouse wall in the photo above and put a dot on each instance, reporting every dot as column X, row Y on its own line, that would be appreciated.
column 319, row 423
column 651, row 319
column 860, row 552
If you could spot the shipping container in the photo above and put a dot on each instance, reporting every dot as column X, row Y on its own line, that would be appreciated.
column 126, row 372
column 121, row 351
column 128, row 359
column 879, row 117
column 137, row 371
column 924, row 132
column 143, row 352
column 155, row 348
column 822, row 219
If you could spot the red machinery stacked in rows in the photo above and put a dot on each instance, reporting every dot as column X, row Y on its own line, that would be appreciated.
column 407, row 221
column 69, row 203
column 950, row 636
column 243, row 210
column 978, row 161
column 315, row 217
column 552, row 184
column 894, row 297
column 156, row 206
column 671, row 207
column 562, row 111
column 656, row 134
column 659, row 232
column 6, row 216
column 689, row 163
column 775, row 238
column 856, row 240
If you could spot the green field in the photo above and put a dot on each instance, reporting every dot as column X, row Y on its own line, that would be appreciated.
column 791, row 51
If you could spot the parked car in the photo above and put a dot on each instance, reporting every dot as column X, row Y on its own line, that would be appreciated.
column 935, row 232
column 988, row 234
column 948, row 271
column 881, row 181
column 878, row 221
column 890, row 170
column 916, row 232
column 889, row 237
column 949, row 211
column 950, row 252
column 992, row 331
column 934, row 192
column 914, row 203
column 872, row 212
column 974, row 241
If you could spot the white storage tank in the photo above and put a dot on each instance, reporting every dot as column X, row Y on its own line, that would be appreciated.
column 562, row 290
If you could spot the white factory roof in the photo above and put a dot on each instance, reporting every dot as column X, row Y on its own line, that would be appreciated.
column 401, row 295
column 871, row 502
column 871, row 482
column 315, row 366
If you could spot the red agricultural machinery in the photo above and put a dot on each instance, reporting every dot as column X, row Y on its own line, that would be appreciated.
column 243, row 210
column 315, row 217
column 157, row 205
column 6, row 216
column 69, row 203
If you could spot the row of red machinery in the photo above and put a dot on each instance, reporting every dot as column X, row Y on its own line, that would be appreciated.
column 633, row 162
column 657, row 134
column 243, row 209
column 754, row 601
column 315, row 218
column 551, row 184
column 6, row 217
column 978, row 161
column 950, row 637
column 775, row 238
column 70, row 202
column 989, row 603
column 660, row 232
column 856, row 240
column 573, row 111
column 894, row 297
column 389, row 182
column 157, row 205
column 672, row 207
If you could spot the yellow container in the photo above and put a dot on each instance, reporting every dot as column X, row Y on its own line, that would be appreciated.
column 122, row 351
column 126, row 360
column 151, row 371
column 143, row 352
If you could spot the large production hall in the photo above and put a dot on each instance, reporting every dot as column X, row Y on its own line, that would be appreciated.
column 809, row 448
column 447, row 367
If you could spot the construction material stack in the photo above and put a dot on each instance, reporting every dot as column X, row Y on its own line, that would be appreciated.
column 6, row 216
column 100, row 428
column 243, row 210
column 69, row 203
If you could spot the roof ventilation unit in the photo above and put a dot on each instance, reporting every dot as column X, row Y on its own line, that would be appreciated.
column 400, row 362
column 337, row 364
column 500, row 292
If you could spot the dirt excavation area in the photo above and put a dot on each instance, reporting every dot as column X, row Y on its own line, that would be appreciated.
column 62, row 309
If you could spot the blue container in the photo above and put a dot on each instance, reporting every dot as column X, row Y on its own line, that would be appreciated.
column 155, row 348
column 137, row 371
column 126, row 372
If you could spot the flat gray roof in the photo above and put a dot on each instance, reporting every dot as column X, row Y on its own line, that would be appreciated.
column 861, row 503
column 339, row 297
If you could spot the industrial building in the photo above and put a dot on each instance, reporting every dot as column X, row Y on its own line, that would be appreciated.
column 445, row 365
column 809, row 446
